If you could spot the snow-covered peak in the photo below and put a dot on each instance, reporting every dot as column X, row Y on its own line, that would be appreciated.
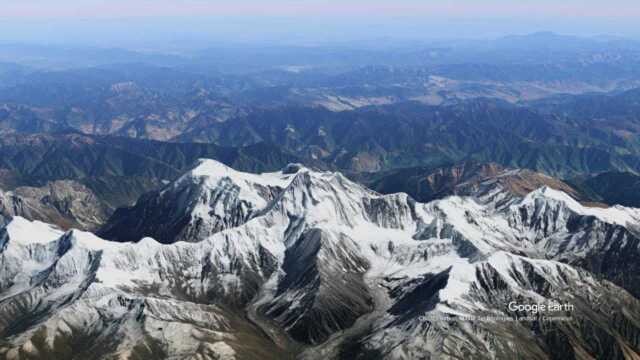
column 546, row 192
column 614, row 215
column 90, row 241
column 256, row 190
column 22, row 231
column 207, row 199
column 292, row 168
column 213, row 171
column 207, row 167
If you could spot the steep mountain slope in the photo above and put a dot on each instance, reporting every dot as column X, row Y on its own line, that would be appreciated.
column 613, row 188
column 460, row 321
column 209, row 198
column 21, row 119
column 617, row 106
column 467, row 178
column 45, row 157
column 324, row 268
column 64, row 203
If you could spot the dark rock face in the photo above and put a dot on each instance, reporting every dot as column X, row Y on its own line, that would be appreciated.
column 335, row 294
column 536, row 337
column 610, row 250
column 189, row 209
column 421, row 298
column 155, row 215
column 618, row 260
column 561, row 340
column 64, row 203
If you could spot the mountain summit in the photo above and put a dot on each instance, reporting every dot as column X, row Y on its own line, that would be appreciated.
column 208, row 198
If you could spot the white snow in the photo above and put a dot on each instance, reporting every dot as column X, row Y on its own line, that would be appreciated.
column 461, row 276
column 214, row 170
column 23, row 231
column 613, row 215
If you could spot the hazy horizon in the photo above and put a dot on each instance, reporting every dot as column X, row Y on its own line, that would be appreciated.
column 195, row 23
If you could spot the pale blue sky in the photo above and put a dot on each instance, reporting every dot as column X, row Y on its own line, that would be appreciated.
column 135, row 22
column 451, row 8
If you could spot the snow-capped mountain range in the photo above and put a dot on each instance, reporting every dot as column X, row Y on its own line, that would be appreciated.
column 305, row 264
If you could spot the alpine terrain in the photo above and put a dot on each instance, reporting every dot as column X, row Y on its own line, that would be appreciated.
column 306, row 264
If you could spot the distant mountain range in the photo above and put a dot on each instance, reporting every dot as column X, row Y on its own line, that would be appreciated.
column 412, row 134
column 242, row 58
column 562, row 136
column 560, row 105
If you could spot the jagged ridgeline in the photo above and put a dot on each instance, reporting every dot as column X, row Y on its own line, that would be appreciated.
column 78, row 181
column 223, row 264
